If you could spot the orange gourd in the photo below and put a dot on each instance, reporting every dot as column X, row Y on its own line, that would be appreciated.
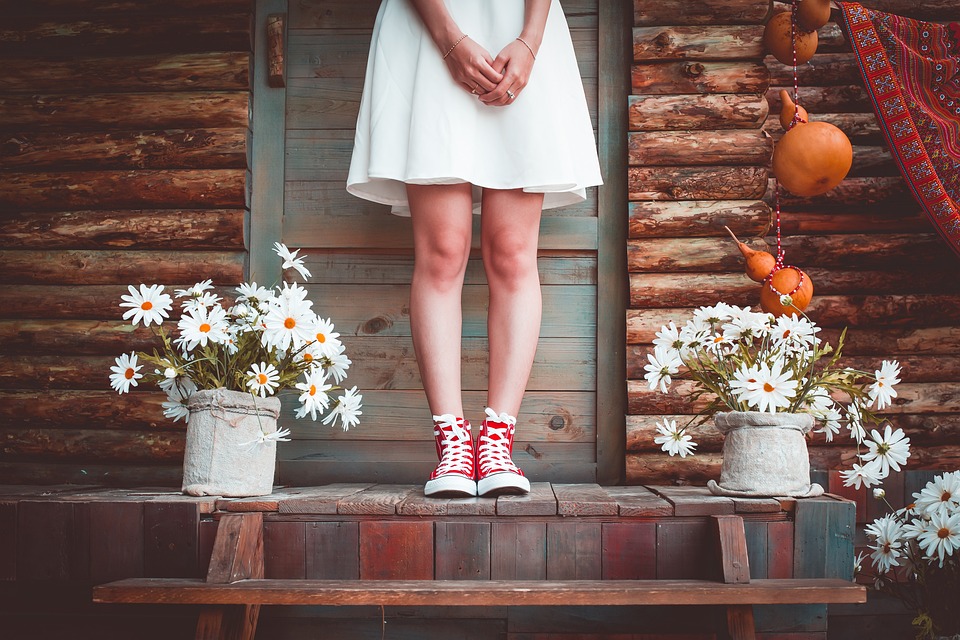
column 785, row 281
column 789, row 109
column 812, row 158
column 777, row 38
column 757, row 264
column 812, row 14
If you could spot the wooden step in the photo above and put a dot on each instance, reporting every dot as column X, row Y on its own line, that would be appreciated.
column 452, row 593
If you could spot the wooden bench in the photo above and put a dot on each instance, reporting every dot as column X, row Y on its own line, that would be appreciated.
column 235, row 589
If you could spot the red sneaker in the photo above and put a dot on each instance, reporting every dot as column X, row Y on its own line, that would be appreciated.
column 497, row 473
column 455, row 475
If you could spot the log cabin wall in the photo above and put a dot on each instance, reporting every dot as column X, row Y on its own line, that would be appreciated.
column 123, row 159
column 699, row 157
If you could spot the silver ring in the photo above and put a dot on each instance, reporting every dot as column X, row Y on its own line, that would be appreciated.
column 511, row 94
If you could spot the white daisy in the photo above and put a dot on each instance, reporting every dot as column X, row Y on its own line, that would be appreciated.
column 718, row 343
column 866, row 474
column 149, row 304
column 855, row 422
column 125, row 373
column 794, row 333
column 196, row 290
column 290, row 259
column 202, row 325
column 715, row 315
column 279, row 435
column 941, row 495
column 347, row 409
column 254, row 294
column 695, row 333
column 314, row 397
column 940, row 537
column 326, row 339
column 774, row 388
column 891, row 449
column 176, row 409
column 289, row 322
column 663, row 364
column 337, row 364
column 745, row 325
column 673, row 440
column 887, row 544
column 882, row 391
column 200, row 301
column 745, row 379
column 830, row 421
column 669, row 338
column 263, row 379
column 180, row 387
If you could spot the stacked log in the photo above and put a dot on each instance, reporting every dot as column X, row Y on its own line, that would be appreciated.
column 123, row 155
column 872, row 256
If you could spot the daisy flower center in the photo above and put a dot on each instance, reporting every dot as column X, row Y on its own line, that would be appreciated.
column 307, row 357
column 313, row 389
column 261, row 378
column 786, row 334
column 289, row 323
column 943, row 533
column 128, row 373
column 205, row 328
column 147, row 305
column 768, row 387
column 321, row 338
column 946, row 496
column 883, row 448
column 886, row 547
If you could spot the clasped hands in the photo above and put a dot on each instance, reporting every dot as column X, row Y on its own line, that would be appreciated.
column 495, row 81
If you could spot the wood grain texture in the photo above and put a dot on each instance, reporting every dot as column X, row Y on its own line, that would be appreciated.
column 695, row 501
column 320, row 500
column 584, row 500
column 540, row 501
column 396, row 550
column 574, row 551
column 657, row 12
column 116, row 540
column 691, row 148
column 672, row 78
column 699, row 112
column 171, row 536
column 639, row 501
column 629, row 550
column 284, row 550
column 656, row 219
column 379, row 499
column 462, row 550
column 518, row 550
column 697, row 183
column 702, row 42
column 332, row 550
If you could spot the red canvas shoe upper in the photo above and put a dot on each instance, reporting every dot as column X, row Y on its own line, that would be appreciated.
column 454, row 446
column 496, row 444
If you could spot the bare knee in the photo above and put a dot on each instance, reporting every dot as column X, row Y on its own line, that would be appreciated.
column 442, row 261
column 510, row 261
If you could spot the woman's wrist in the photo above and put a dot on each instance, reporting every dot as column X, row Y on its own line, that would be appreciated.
column 532, row 40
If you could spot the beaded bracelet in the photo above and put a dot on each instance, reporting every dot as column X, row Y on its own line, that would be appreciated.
column 450, row 50
column 528, row 47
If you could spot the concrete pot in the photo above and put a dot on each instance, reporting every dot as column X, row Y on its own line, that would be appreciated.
column 764, row 455
column 219, row 459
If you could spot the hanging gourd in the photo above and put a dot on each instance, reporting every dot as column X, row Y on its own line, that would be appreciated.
column 812, row 158
column 789, row 281
column 812, row 14
column 778, row 38
column 789, row 110
column 756, row 264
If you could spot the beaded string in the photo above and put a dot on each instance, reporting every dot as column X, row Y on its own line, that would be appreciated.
column 776, row 183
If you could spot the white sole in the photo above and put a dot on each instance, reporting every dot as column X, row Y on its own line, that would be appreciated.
column 450, row 485
column 500, row 483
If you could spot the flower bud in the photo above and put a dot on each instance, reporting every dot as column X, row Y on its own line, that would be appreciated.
column 169, row 373
column 879, row 493
column 786, row 300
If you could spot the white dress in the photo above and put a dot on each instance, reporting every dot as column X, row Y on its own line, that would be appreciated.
column 417, row 125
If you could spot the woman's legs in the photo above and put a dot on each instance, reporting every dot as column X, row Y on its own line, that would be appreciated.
column 510, row 227
column 442, row 219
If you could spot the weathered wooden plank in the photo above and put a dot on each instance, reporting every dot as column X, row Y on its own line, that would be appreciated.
column 721, row 147
column 886, row 192
column 155, row 8
column 156, row 475
column 698, row 112
column 574, row 551
column 352, row 227
column 859, row 497
column 284, row 554
column 931, row 10
column 880, row 221
column 697, row 183
column 823, row 70
column 170, row 532
column 52, row 301
column 47, row 541
column 332, row 550
column 695, row 501
column 463, row 550
column 672, row 78
column 92, row 444
column 657, row 219
column 702, row 42
column 518, row 550
column 8, row 540
column 659, row 467
column 264, row 504
column 540, row 501
column 735, row 564
column 181, row 229
column 55, row 191
column 417, row 504
column 686, row 254
column 639, row 501
column 120, row 267
column 848, row 98
column 170, row 149
column 629, row 550
column 118, row 111
column 583, row 500
column 109, row 32
column 780, row 537
column 329, row 267
column 394, row 550
column 116, row 540
column 653, row 12
column 238, row 549
column 755, row 533
column 320, row 500
column 207, row 71
column 478, row 506
column 380, row 499
column 823, row 539
column 861, row 128
column 684, row 550
column 64, row 336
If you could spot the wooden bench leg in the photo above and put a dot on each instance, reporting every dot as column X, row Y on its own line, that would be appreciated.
column 237, row 555
column 740, row 624
column 735, row 569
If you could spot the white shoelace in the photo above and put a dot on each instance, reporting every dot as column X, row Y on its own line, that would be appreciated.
column 456, row 446
column 494, row 445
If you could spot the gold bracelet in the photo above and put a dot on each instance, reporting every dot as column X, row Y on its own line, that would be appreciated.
column 450, row 50
column 528, row 47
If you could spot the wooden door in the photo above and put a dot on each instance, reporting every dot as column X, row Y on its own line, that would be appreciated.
column 361, row 260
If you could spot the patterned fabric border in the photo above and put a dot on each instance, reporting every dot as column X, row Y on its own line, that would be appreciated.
column 911, row 69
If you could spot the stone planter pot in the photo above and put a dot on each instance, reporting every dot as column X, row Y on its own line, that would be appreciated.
column 764, row 455
column 219, row 459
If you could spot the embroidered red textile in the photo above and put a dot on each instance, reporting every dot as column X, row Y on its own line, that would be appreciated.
column 911, row 69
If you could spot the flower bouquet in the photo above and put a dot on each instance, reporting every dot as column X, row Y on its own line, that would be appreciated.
column 753, row 365
column 224, row 363
column 916, row 555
